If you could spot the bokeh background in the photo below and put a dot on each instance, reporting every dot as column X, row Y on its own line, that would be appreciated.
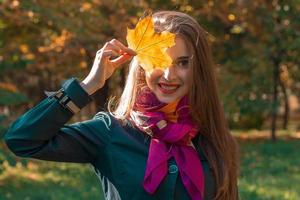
column 256, row 51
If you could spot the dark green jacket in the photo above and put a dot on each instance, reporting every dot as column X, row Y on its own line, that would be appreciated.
column 117, row 152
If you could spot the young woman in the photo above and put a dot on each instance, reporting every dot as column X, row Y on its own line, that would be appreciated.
column 165, row 139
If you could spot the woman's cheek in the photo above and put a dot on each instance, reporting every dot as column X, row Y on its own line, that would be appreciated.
column 152, row 78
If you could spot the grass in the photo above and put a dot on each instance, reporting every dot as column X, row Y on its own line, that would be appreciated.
column 40, row 180
column 48, row 181
column 269, row 171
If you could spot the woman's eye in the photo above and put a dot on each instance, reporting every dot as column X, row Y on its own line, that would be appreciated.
column 183, row 63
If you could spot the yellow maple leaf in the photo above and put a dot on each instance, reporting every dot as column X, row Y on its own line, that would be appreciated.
column 149, row 45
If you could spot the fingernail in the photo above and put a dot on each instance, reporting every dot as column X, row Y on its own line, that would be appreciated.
column 127, row 54
column 132, row 51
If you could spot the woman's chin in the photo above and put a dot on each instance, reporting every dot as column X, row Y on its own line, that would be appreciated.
column 167, row 98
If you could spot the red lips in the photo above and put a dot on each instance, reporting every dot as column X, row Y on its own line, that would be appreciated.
column 168, row 88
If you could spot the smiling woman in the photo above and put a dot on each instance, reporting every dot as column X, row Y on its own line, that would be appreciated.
column 166, row 138
column 196, row 88
column 174, row 81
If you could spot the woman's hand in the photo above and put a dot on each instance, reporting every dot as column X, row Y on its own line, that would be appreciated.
column 111, row 56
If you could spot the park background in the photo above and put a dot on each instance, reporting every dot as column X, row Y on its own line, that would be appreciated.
column 256, row 51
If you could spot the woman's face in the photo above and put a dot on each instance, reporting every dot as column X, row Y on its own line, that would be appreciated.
column 173, row 82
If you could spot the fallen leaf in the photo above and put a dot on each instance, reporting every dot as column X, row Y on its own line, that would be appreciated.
column 149, row 45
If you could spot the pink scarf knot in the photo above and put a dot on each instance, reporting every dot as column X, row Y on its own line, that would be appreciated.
column 169, row 139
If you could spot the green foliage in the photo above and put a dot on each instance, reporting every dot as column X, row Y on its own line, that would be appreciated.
column 12, row 98
column 44, row 43
column 246, row 58
column 10, row 66
column 3, row 127
column 270, row 170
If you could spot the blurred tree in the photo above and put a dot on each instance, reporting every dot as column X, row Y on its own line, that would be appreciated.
column 274, row 25
column 253, row 42
column 42, row 43
column 241, row 65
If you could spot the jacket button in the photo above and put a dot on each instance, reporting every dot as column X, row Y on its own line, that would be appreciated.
column 173, row 169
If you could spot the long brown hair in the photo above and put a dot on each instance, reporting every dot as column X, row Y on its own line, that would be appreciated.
column 217, row 143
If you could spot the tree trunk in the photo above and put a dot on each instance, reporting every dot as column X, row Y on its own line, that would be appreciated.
column 276, row 57
column 275, row 100
column 286, row 106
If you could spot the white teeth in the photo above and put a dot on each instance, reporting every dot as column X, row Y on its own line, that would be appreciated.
column 168, row 87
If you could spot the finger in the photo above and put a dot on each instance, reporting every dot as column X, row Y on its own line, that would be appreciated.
column 115, row 58
column 109, row 54
column 121, row 59
column 111, row 46
column 122, row 47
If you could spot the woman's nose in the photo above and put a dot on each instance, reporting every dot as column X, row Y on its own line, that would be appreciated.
column 169, row 73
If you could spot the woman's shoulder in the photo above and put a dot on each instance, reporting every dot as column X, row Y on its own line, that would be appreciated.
column 105, row 117
column 101, row 122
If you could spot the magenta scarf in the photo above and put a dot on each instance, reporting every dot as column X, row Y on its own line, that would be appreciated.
column 169, row 139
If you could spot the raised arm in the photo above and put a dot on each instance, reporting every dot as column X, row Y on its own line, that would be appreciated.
column 42, row 132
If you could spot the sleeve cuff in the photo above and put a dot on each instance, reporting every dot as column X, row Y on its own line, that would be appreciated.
column 71, row 96
column 77, row 94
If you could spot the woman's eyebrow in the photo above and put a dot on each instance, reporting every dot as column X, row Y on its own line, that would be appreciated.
column 182, row 58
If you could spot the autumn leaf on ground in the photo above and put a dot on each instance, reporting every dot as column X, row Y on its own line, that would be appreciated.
column 149, row 45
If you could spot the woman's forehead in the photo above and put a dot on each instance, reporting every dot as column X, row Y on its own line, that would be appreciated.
column 180, row 49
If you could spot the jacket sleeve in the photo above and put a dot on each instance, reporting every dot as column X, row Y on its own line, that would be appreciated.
column 42, row 131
